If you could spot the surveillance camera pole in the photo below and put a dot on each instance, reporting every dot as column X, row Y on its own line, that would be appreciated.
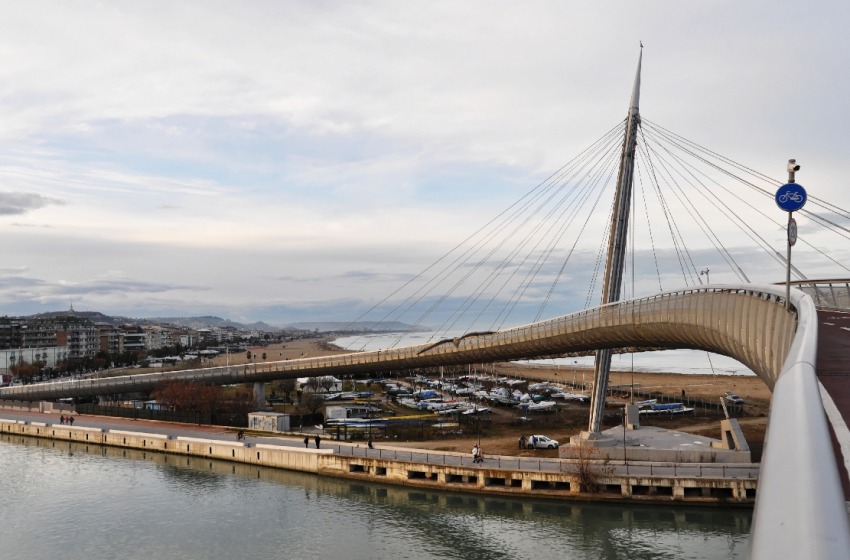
column 790, row 197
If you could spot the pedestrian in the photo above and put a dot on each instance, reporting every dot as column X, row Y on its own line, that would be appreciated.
column 683, row 395
column 369, row 443
column 306, row 441
column 318, row 441
column 475, row 454
column 71, row 420
column 522, row 441
column 62, row 419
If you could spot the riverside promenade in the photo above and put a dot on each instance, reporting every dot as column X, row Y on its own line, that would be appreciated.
column 582, row 479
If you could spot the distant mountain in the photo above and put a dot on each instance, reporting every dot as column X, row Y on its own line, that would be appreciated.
column 189, row 322
column 212, row 321
column 93, row 316
column 357, row 326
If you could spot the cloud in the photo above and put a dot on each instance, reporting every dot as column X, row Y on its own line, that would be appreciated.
column 328, row 152
column 15, row 203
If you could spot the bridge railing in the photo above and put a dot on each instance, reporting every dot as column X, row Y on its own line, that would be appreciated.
column 830, row 294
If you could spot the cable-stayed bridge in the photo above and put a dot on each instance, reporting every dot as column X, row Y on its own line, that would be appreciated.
column 798, row 342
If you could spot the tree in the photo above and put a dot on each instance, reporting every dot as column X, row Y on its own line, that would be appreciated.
column 327, row 383
column 189, row 396
column 313, row 384
column 286, row 386
column 313, row 403
column 25, row 371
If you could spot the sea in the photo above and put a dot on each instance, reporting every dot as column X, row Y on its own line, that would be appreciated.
column 669, row 361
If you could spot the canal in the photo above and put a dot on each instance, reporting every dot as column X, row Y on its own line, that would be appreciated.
column 77, row 501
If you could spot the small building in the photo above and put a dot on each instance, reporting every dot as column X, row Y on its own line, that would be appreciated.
column 351, row 411
column 268, row 421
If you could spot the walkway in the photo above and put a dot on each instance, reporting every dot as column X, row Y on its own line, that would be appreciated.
column 530, row 464
column 833, row 370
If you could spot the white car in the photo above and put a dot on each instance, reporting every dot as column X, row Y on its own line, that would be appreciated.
column 542, row 442
column 733, row 398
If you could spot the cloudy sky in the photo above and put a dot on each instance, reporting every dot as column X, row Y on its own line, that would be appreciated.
column 290, row 161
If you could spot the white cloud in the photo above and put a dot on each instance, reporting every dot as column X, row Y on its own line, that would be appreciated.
column 229, row 147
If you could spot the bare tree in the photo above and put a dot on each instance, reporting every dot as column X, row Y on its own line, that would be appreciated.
column 286, row 386
column 313, row 384
column 313, row 403
column 327, row 382
column 587, row 467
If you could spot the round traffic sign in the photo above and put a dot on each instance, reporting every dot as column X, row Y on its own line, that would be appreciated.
column 792, row 231
column 791, row 197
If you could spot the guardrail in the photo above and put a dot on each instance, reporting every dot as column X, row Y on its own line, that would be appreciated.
column 829, row 294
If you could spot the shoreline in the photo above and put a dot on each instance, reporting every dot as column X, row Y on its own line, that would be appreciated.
column 706, row 484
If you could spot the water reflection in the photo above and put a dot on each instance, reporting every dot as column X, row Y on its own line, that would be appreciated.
column 174, row 506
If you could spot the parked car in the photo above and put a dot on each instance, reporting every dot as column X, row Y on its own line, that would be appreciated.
column 542, row 442
column 733, row 398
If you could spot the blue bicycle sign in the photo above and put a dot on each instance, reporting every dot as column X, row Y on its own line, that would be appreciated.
column 791, row 197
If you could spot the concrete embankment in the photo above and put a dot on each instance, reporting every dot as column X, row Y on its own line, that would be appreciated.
column 504, row 476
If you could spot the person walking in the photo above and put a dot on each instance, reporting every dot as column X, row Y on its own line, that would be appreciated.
column 318, row 441
column 306, row 442
column 475, row 454
column 522, row 441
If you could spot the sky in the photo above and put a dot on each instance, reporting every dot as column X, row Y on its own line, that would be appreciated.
column 297, row 161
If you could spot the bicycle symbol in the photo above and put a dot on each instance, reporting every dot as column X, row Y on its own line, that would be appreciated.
column 790, row 195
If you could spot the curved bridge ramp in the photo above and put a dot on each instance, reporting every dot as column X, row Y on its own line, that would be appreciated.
column 801, row 510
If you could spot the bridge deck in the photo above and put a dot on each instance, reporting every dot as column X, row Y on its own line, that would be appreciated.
column 833, row 370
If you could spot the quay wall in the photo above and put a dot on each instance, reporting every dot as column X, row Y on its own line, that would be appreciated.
column 577, row 481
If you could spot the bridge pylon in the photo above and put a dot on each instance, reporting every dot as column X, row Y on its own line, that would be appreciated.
column 615, row 262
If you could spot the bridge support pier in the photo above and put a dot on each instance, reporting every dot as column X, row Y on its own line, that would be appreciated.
column 259, row 395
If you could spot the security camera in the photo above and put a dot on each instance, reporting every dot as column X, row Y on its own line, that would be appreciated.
column 792, row 166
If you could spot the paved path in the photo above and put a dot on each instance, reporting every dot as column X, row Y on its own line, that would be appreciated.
column 833, row 369
column 530, row 464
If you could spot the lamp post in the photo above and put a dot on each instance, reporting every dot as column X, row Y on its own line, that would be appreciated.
column 625, row 458
column 707, row 277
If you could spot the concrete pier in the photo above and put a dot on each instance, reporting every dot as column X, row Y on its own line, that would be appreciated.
column 507, row 476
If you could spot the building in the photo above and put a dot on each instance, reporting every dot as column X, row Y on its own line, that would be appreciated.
column 47, row 356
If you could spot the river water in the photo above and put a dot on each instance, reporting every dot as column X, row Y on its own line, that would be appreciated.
column 75, row 502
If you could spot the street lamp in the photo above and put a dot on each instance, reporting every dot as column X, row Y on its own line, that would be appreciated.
column 707, row 278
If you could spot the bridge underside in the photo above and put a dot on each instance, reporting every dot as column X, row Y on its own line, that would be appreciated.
column 748, row 324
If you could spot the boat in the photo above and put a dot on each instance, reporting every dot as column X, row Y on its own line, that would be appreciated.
column 570, row 397
column 476, row 410
column 538, row 407
column 671, row 408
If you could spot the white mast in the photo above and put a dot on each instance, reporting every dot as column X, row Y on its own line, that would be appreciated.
column 617, row 239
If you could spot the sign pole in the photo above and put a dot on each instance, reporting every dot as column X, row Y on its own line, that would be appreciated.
column 788, row 265
column 790, row 197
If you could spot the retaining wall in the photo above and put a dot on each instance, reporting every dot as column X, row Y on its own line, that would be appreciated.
column 569, row 484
